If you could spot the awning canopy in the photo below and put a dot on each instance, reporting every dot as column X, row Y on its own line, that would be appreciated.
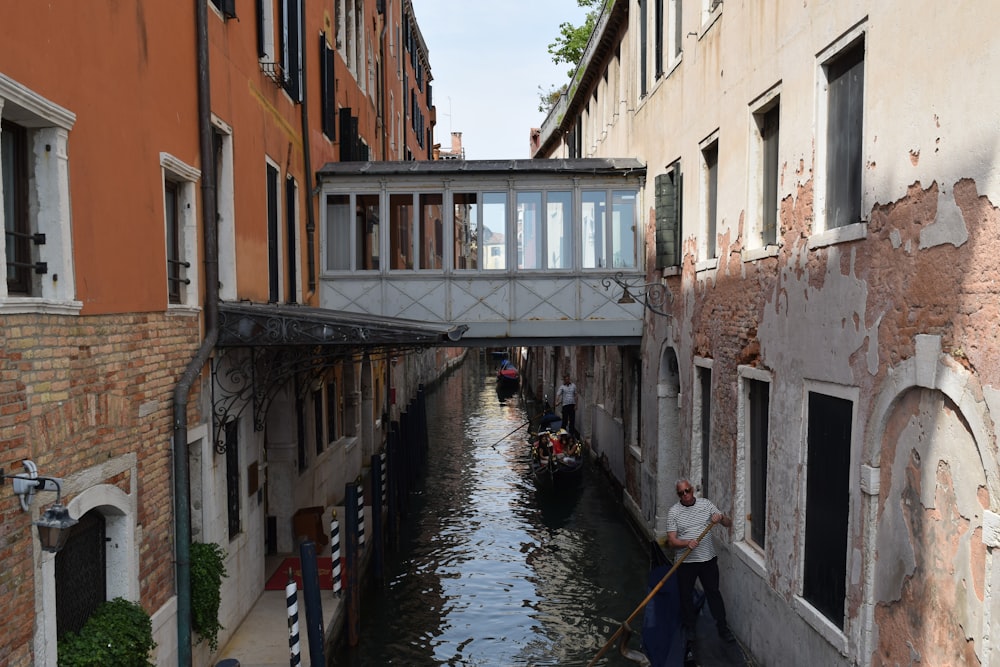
column 267, row 325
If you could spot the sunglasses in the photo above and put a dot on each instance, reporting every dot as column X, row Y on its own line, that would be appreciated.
column 684, row 492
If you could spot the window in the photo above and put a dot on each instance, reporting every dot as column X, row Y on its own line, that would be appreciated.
column 592, row 228
column 559, row 230
column 703, row 420
column 317, row 406
column 400, row 231
column 624, row 213
column 675, row 31
column 431, row 230
column 81, row 573
column 710, row 188
column 844, row 76
column 181, row 230
column 34, row 188
column 658, row 26
column 291, row 236
column 763, row 209
column 529, row 237
column 667, row 191
column 17, row 228
column 495, row 229
column 367, row 215
column 828, row 443
column 332, row 411
column 466, row 228
column 328, row 88
column 233, row 477
column 755, row 399
column 273, row 241
column 643, row 47
column 265, row 31
column 291, row 48
column 226, row 7
column 225, row 208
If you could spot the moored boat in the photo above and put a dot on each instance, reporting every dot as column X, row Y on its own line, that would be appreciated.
column 507, row 373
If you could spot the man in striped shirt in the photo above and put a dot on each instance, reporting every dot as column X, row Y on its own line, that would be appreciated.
column 685, row 522
column 566, row 397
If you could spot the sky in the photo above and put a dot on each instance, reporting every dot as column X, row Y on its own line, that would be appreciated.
column 488, row 59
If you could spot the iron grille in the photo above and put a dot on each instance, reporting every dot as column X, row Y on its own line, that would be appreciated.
column 81, row 579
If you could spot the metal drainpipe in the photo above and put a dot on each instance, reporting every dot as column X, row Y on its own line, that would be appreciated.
column 306, row 159
column 182, row 482
column 382, row 85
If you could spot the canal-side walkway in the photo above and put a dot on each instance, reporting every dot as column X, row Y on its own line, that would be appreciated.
column 262, row 638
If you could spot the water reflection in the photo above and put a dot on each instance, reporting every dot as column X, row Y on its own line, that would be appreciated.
column 490, row 572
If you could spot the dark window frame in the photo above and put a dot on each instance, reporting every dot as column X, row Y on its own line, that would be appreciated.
column 758, row 402
column 17, row 216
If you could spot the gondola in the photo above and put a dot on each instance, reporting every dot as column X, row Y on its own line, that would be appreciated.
column 556, row 460
column 507, row 374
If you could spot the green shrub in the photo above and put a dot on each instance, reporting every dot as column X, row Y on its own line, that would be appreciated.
column 207, row 570
column 118, row 633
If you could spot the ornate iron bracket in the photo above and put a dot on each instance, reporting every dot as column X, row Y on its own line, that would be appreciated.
column 654, row 297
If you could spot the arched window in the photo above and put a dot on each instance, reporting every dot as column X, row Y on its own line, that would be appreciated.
column 80, row 568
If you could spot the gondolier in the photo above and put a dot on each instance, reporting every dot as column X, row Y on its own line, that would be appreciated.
column 685, row 522
column 566, row 397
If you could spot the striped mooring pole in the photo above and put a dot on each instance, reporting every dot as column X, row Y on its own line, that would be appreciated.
column 382, row 471
column 361, row 515
column 292, row 603
column 335, row 553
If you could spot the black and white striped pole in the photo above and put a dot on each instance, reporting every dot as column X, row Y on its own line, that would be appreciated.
column 361, row 516
column 292, row 605
column 335, row 553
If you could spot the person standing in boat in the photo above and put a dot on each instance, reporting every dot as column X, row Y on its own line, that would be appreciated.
column 685, row 522
column 566, row 396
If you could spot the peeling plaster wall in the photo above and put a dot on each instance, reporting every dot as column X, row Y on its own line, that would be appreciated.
column 847, row 309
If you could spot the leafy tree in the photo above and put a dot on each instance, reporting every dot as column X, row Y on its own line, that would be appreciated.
column 569, row 47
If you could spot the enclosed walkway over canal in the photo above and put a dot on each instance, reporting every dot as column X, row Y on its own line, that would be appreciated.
column 518, row 251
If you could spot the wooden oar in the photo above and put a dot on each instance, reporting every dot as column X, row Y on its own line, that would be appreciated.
column 531, row 419
column 656, row 589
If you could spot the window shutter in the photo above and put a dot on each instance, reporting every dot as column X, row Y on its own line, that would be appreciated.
column 667, row 193
column 329, row 89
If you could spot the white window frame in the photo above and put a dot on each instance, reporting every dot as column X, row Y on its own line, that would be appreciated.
column 268, row 28
column 674, row 42
column 48, row 126
column 225, row 204
column 699, row 439
column 184, row 176
column 755, row 247
column 749, row 551
column 822, row 236
column 706, row 244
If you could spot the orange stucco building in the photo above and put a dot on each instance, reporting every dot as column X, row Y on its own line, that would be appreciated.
column 158, row 163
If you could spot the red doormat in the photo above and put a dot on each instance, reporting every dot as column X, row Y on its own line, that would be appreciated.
column 279, row 579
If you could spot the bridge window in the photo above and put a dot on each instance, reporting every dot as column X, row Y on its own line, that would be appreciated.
column 465, row 210
column 595, row 204
column 400, row 223
column 365, row 227
column 431, row 231
column 529, row 238
column 623, row 216
column 495, row 218
column 559, row 238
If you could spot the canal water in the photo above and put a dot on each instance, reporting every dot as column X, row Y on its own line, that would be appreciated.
column 489, row 571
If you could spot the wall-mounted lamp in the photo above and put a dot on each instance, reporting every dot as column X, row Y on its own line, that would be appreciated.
column 653, row 296
column 54, row 524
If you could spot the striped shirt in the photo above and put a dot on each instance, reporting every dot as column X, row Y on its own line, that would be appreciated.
column 566, row 394
column 688, row 522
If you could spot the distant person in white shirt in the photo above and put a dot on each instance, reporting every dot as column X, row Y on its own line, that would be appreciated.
column 566, row 397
